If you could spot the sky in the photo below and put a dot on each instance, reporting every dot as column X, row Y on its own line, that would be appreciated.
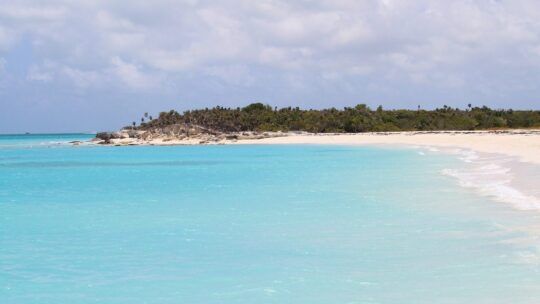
column 71, row 66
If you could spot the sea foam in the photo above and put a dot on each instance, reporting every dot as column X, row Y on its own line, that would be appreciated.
column 492, row 177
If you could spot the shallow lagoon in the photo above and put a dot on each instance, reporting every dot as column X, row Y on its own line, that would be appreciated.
column 253, row 224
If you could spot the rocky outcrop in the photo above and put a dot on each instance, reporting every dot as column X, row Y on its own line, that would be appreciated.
column 176, row 134
column 104, row 135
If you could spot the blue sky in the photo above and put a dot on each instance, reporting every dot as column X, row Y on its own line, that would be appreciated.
column 97, row 65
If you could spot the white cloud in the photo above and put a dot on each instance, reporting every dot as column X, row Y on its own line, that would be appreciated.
column 130, row 75
column 5, row 38
column 82, row 78
column 36, row 73
column 2, row 64
column 233, row 74
column 409, row 42
column 118, row 74
column 19, row 10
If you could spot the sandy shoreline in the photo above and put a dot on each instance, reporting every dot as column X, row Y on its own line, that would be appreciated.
column 503, row 165
column 492, row 168
column 522, row 144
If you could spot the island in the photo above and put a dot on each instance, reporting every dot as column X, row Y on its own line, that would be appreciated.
column 221, row 125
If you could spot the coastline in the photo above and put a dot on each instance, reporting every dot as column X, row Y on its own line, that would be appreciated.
column 382, row 198
column 522, row 144
column 502, row 165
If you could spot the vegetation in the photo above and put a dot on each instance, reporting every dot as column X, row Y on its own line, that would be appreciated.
column 260, row 117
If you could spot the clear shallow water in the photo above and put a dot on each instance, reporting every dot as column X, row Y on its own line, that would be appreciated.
column 253, row 224
column 39, row 140
column 499, row 177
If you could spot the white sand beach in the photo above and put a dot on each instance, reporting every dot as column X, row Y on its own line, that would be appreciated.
column 508, row 174
column 522, row 144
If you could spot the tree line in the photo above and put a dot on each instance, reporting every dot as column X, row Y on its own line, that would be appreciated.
column 261, row 117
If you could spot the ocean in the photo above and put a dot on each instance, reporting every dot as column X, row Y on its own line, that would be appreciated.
column 259, row 224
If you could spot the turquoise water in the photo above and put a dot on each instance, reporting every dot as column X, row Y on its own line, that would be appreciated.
column 252, row 224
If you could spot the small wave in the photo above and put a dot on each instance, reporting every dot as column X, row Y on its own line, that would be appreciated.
column 77, row 164
column 468, row 156
column 529, row 257
column 42, row 144
column 491, row 178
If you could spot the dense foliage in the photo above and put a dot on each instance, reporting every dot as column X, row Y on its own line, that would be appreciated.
column 260, row 117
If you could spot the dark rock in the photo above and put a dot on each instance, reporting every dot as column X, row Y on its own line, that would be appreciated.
column 132, row 133
column 104, row 135
column 109, row 135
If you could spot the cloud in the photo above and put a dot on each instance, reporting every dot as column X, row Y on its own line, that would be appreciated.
column 195, row 34
column 231, row 75
column 131, row 75
column 119, row 74
column 421, row 47
column 5, row 38
column 82, row 78
column 35, row 73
